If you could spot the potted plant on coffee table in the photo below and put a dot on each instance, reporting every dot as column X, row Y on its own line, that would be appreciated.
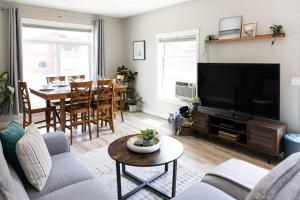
column 132, row 102
column 148, row 137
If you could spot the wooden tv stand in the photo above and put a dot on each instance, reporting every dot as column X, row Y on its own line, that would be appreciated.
column 258, row 134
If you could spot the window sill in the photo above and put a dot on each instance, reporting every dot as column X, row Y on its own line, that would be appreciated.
column 178, row 102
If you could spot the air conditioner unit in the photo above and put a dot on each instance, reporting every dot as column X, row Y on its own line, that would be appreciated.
column 185, row 90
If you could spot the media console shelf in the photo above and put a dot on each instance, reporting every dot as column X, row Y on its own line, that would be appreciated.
column 257, row 134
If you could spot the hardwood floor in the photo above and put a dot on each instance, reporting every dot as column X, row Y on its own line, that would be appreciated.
column 200, row 154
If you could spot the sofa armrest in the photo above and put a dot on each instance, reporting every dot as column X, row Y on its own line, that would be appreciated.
column 57, row 142
column 235, row 190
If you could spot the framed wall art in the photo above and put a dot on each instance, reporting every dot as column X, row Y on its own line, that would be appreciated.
column 230, row 27
column 139, row 50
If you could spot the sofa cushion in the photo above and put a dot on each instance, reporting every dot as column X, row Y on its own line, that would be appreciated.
column 18, row 184
column 282, row 179
column 203, row 191
column 34, row 157
column 66, row 170
column 86, row 190
column 6, row 185
column 9, row 138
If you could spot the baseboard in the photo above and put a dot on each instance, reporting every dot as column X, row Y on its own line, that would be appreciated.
column 154, row 113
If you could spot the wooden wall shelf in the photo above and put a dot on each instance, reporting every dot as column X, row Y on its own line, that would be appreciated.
column 257, row 37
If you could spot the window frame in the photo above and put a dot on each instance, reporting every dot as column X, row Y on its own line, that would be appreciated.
column 32, row 23
column 160, row 60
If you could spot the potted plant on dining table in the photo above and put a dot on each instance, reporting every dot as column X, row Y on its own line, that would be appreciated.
column 129, row 76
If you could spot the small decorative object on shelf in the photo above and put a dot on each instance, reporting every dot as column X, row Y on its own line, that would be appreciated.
column 194, row 103
column 249, row 30
column 276, row 31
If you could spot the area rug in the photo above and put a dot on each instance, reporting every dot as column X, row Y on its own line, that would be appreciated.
column 102, row 166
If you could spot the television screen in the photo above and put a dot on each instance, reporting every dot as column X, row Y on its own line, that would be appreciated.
column 249, row 88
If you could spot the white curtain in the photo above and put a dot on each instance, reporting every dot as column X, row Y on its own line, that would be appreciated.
column 15, row 54
column 99, row 52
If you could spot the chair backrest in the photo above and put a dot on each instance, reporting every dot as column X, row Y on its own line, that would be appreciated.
column 105, row 92
column 23, row 90
column 81, row 93
column 52, row 79
column 75, row 77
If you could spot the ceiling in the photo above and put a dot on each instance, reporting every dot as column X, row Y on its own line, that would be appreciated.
column 114, row 8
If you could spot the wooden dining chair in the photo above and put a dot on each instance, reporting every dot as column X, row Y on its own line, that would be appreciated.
column 75, row 77
column 56, row 103
column 80, row 97
column 103, row 104
column 119, row 98
column 53, row 79
column 28, row 111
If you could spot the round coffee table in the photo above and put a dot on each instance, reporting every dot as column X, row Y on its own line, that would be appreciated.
column 170, row 150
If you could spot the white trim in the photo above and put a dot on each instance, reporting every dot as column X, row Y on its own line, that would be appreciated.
column 56, row 24
column 154, row 113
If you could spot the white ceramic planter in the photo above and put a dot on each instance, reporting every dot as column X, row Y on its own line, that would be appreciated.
column 132, row 108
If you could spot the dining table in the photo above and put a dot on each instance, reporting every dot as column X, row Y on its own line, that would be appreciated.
column 61, row 93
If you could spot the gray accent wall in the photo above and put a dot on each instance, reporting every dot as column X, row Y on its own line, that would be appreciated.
column 205, row 15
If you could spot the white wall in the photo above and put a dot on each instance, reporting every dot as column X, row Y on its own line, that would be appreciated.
column 205, row 14
column 113, row 31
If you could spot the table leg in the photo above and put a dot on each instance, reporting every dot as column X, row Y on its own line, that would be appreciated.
column 119, row 180
column 62, row 115
column 123, row 168
column 174, row 178
column 48, row 116
column 166, row 167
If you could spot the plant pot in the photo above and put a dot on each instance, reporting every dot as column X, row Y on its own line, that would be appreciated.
column 132, row 108
column 126, row 83
column 195, row 107
column 147, row 143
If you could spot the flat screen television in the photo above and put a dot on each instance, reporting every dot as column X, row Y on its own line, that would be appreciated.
column 248, row 88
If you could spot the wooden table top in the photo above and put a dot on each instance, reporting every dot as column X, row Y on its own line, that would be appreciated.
column 63, row 92
column 170, row 150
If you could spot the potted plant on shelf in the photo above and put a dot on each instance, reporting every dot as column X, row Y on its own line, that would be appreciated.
column 6, row 92
column 132, row 102
column 148, row 136
column 194, row 103
column 276, row 31
column 207, row 42
column 129, row 76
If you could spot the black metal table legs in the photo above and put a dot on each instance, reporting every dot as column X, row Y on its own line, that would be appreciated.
column 145, row 183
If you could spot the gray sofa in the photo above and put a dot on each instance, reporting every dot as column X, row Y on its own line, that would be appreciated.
column 236, row 179
column 68, row 180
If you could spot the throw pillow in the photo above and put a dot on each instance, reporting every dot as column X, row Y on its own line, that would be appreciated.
column 9, row 138
column 34, row 157
column 6, row 185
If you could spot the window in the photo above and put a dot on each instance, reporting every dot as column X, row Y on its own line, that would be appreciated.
column 50, row 52
column 177, row 62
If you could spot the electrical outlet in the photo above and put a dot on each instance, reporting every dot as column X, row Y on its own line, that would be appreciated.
column 295, row 81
